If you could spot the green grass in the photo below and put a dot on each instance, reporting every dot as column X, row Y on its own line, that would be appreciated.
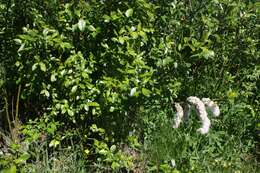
column 228, row 147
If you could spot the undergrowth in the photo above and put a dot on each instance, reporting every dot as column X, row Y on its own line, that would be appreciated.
column 228, row 147
column 88, row 86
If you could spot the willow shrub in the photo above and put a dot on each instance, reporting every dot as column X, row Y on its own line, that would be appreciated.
column 86, row 69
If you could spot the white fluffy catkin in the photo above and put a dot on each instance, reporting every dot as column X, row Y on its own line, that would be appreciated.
column 214, row 108
column 179, row 115
column 202, row 113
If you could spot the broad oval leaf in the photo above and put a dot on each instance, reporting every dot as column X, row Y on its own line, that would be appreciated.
column 81, row 24
column 129, row 12
column 91, row 28
column 146, row 92
column 53, row 78
column 74, row 89
column 70, row 112
column 42, row 66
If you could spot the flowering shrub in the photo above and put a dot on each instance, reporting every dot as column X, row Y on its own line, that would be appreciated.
column 214, row 108
column 200, row 107
column 87, row 70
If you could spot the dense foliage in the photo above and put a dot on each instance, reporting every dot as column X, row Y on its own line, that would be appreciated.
column 98, row 79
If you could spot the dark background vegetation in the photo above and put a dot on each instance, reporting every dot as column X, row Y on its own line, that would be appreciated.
column 89, row 85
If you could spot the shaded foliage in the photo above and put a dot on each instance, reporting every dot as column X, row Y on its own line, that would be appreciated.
column 88, row 70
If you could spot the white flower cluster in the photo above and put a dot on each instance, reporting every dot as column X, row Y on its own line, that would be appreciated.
column 214, row 108
column 179, row 115
column 200, row 107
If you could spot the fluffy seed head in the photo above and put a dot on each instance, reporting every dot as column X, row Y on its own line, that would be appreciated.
column 213, row 107
column 179, row 115
column 202, row 113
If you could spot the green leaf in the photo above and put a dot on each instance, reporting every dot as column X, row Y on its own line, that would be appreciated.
column 46, row 93
column 132, row 92
column 106, row 18
column 94, row 104
column 12, row 169
column 91, row 28
column 74, row 89
column 54, row 143
column 94, row 128
column 74, row 27
column 21, row 48
column 134, row 35
column 65, row 45
column 18, row 41
column 53, row 78
column 34, row 66
column 81, row 24
column 232, row 94
column 121, row 40
column 129, row 12
column 111, row 109
column 146, row 92
column 70, row 112
column 103, row 152
column 179, row 47
column 114, row 16
column 51, row 128
column 63, row 109
column 166, row 61
column 22, row 158
column 115, row 165
column 205, row 35
column 17, row 63
column 113, row 148
column 207, row 53
column 42, row 66
column 86, row 107
column 105, row 45
column 86, row 151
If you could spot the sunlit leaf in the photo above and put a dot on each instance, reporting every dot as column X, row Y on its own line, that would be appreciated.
column 91, row 28
column 42, row 66
column 146, row 92
column 21, row 47
column 121, row 40
column 106, row 18
column 86, row 151
column 115, row 165
column 133, row 91
column 129, row 12
column 46, row 93
column 53, row 78
column 23, row 158
column 81, row 25
column 113, row 148
column 12, row 169
column 95, row 104
column 34, row 66
column 74, row 89
column 70, row 112
column 18, row 41
column 54, row 143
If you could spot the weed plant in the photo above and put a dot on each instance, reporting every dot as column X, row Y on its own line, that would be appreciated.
column 228, row 147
